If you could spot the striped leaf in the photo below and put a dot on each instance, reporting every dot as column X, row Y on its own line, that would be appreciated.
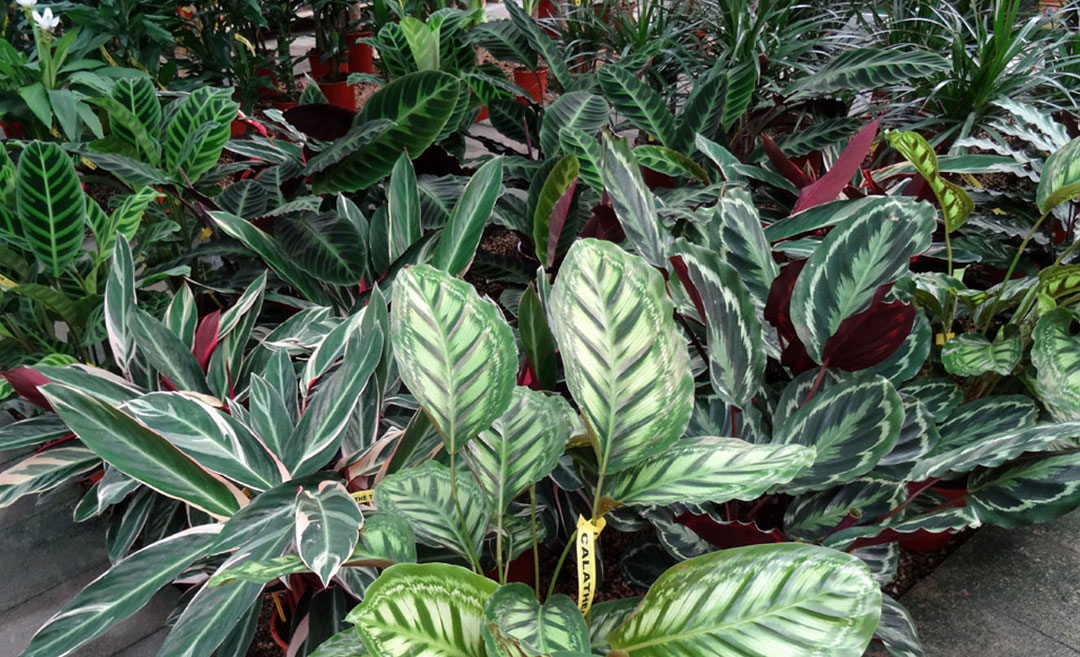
column 588, row 152
column 1054, row 354
column 742, row 81
column 866, row 69
column 120, row 592
column 626, row 364
column 51, row 205
column 119, row 300
column 786, row 600
column 699, row 470
column 949, row 520
column 670, row 162
column 219, row 443
column 956, row 204
column 743, row 244
column 972, row 354
column 909, row 357
column 553, row 626
column 552, row 205
column 422, row 495
column 33, row 431
column 1034, row 490
column 704, row 108
column 855, row 258
column 604, row 617
column 424, row 610
column 896, row 630
column 736, row 344
column 455, row 353
column 918, row 435
column 814, row 516
column 851, row 424
column 459, row 239
column 165, row 352
column 244, row 198
column 325, row 246
column 44, row 471
column 402, row 208
column 522, row 446
column 138, row 97
column 994, row 449
column 182, row 315
column 642, row 106
column 542, row 43
column 634, row 204
column 941, row 396
column 882, row 560
column 985, row 417
column 328, row 522
column 577, row 110
column 140, row 453
column 1060, row 177
column 198, row 131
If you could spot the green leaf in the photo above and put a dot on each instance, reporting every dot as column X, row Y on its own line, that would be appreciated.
column 626, row 364
column 699, row 470
column 51, row 205
column 44, row 471
column 403, row 208
column 536, row 339
column 551, row 207
column 327, row 525
column 743, row 244
column 741, row 83
column 459, row 239
column 985, row 417
column 1054, row 354
column 198, row 131
column 909, row 357
column 542, row 43
column 956, row 204
column 431, row 609
column 866, row 69
column 120, row 592
column 785, row 600
column 1060, row 178
column 577, row 110
column 670, row 162
column 521, row 447
column 634, row 204
column 423, row 42
column 182, row 316
column 814, row 516
column 33, row 431
column 638, row 102
column 972, row 354
column 419, row 104
column 359, row 135
column 704, row 108
column 896, row 630
column 554, row 626
column 604, row 617
column 941, row 396
column 574, row 141
column 119, row 300
column 422, row 495
column 852, row 424
column 137, row 96
column 855, row 258
column 1032, row 490
column 455, row 353
column 326, row 246
column 165, row 352
column 127, row 216
column 994, row 449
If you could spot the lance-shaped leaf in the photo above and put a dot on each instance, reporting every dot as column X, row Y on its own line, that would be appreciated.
column 972, row 354
column 634, row 204
column 638, row 102
column 736, row 344
column 949, row 520
column 1055, row 356
column 32, row 431
column 704, row 107
column 454, row 352
column 120, row 592
column 44, row 471
column 789, row 599
column 589, row 153
column 867, row 69
column 119, row 300
column 743, row 243
column 626, row 364
column 1060, row 177
column 1032, row 490
column 137, row 95
column 852, row 262
column 459, row 239
column 813, row 516
column 542, row 43
column 670, row 162
column 536, row 339
column 402, row 207
column 994, row 449
column 51, row 205
column 432, row 609
column 838, row 177
column 327, row 525
column 604, row 617
column 422, row 495
column 576, row 110
column 699, row 470
column 326, row 246
column 165, row 352
column 217, row 441
column 552, row 206
column 182, row 316
column 140, row 453
column 553, row 626
column 956, row 204
column 852, row 424
column 522, row 446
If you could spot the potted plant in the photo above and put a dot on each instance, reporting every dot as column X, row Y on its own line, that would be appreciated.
column 357, row 40
column 329, row 64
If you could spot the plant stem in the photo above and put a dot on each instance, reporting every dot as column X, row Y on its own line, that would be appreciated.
column 461, row 516
column 817, row 383
column 535, row 544
column 558, row 565
column 1012, row 267
column 498, row 549
column 911, row 498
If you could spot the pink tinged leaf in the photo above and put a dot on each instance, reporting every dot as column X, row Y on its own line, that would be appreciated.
column 25, row 381
column 784, row 166
column 558, row 220
column 206, row 338
column 829, row 186
column 867, row 338
column 683, row 273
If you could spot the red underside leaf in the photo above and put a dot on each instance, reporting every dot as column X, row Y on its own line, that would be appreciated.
column 684, row 277
column 206, row 338
column 784, row 166
column 730, row 534
column 558, row 220
column 603, row 225
column 25, row 381
column 829, row 186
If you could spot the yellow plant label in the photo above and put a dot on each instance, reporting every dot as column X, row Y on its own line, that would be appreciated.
column 942, row 337
column 587, row 531
column 364, row 496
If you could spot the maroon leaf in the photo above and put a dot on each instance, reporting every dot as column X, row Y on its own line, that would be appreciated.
column 827, row 187
column 777, row 307
column 206, row 338
column 784, row 166
column 25, row 381
column 558, row 220
column 867, row 338
column 603, row 225
column 684, row 277
column 726, row 535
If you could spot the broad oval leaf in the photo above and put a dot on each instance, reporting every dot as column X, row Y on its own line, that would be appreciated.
column 811, row 517
column 972, row 354
column 626, row 364
column 1060, row 177
column 326, row 246
column 327, row 526
column 1055, row 356
column 198, row 131
column 51, row 205
column 1034, row 490
column 994, row 449
column 553, row 626
column 576, row 110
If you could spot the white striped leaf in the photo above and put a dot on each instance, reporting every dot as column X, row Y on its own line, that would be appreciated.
column 743, row 243
column 983, row 418
column 941, row 396
column 44, row 471
column 797, row 391
column 1060, row 177
column 786, row 600
column 32, row 431
column 972, row 354
column 634, row 204
column 1055, row 356
column 424, row 610
column 1033, row 490
column 217, row 441
column 51, row 205
column 140, row 453
column 454, row 351
column 950, row 520
column 918, row 435
column 165, row 352
column 555, row 625
column 182, row 316
column 909, row 357
column 269, row 415
column 328, row 522
column 626, row 364
column 882, row 560
column 852, row 262
column 461, row 235
column 119, row 300
column 403, row 208
column 994, row 449
column 698, row 470
column 896, row 630
column 522, row 446
column 120, row 592
column 604, row 617
column 576, row 110
column 813, row 516
column 638, row 102
column 851, row 424
column 733, row 331
column 422, row 495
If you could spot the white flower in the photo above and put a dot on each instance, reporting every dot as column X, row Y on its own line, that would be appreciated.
column 26, row 4
column 46, row 21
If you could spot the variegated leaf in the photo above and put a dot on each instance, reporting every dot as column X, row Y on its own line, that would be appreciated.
column 44, row 471
column 638, row 102
column 1033, row 490
column 972, row 354
column 51, row 205
column 555, row 625
column 577, row 110
column 743, row 243
column 31, row 432
column 626, row 364
column 994, row 449
column 949, row 520
column 811, row 517
column 896, row 630
column 918, row 435
column 635, row 205
column 182, row 316
column 327, row 525
column 698, row 470
column 1060, row 178
column 1056, row 356
column 785, row 600
column 956, row 204
column 941, row 396
column 604, row 617
column 454, row 351
column 908, row 359
column 424, row 610
column 119, row 299
column 852, row 262
column 983, row 418
column 882, row 560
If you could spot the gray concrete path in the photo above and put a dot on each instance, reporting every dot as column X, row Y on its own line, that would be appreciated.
column 1004, row 593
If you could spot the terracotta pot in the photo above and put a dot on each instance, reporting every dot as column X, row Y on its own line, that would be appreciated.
column 341, row 94
column 320, row 68
column 535, row 82
column 361, row 55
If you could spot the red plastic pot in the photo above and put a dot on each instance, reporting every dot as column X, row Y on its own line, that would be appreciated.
column 12, row 129
column 546, row 9
column 535, row 82
column 282, row 104
column 521, row 570
column 341, row 94
column 320, row 68
column 361, row 55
